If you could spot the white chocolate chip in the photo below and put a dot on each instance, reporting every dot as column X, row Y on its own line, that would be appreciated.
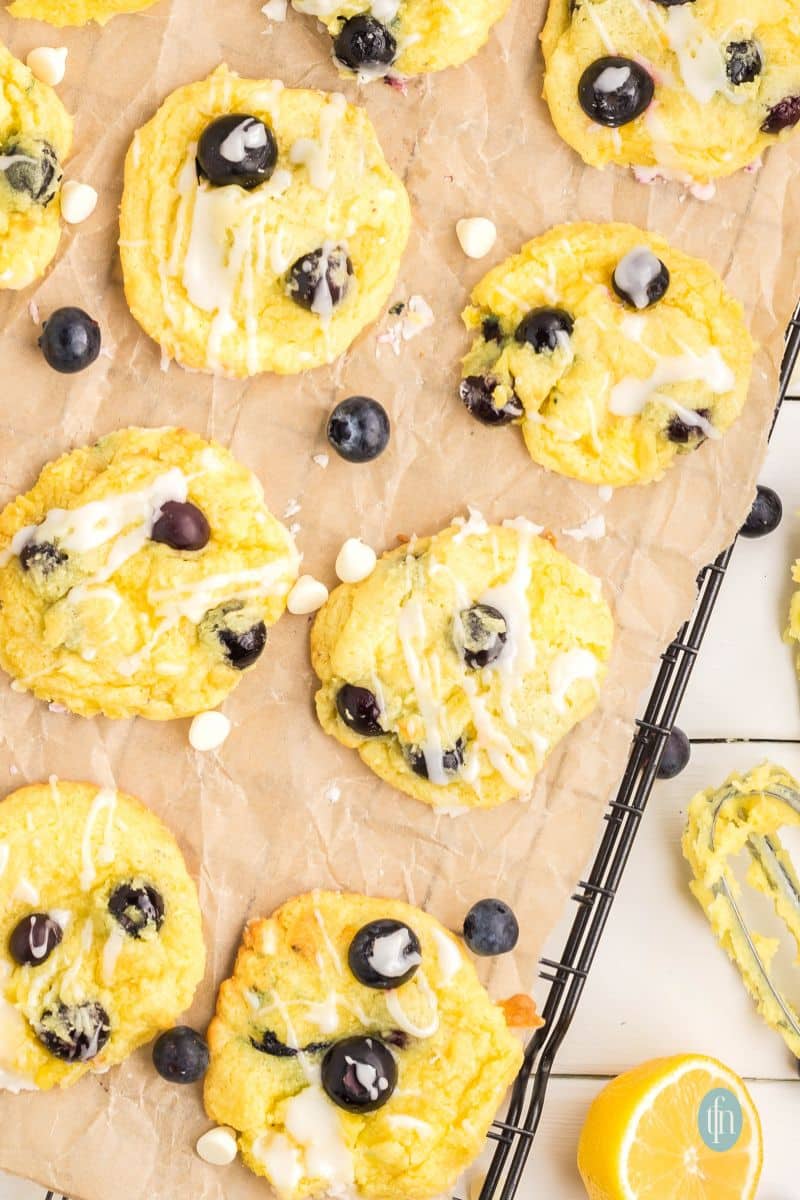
column 477, row 235
column 78, row 201
column 208, row 730
column 307, row 595
column 217, row 1146
column 355, row 561
column 49, row 64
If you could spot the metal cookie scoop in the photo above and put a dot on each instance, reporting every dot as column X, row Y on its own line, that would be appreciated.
column 746, row 813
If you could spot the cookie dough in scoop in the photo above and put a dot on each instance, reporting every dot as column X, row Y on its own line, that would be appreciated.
column 261, row 226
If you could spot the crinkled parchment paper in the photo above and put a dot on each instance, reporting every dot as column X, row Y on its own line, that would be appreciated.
column 255, row 822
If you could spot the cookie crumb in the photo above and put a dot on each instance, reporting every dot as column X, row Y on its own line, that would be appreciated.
column 321, row 460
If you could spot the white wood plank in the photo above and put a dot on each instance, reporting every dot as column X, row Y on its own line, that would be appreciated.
column 552, row 1172
column 18, row 1189
column 660, row 983
column 744, row 684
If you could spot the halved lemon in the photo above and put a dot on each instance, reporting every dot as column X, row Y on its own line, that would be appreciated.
column 659, row 1132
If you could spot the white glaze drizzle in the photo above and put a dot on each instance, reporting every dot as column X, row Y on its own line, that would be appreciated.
column 631, row 394
column 566, row 669
column 700, row 56
column 450, row 957
column 4, row 857
column 315, row 154
column 634, row 273
column 111, row 952
column 25, row 892
column 410, row 629
column 403, row 1021
column 389, row 957
column 106, row 799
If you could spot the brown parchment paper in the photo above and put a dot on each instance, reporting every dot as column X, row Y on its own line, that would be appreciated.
column 254, row 821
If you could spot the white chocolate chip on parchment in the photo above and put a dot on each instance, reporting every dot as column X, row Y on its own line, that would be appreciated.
column 476, row 235
column 78, row 201
column 208, row 730
column 217, row 1146
column 48, row 63
column 355, row 561
column 307, row 595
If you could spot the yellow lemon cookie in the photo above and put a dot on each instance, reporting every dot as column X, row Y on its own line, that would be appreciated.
column 75, row 12
column 35, row 138
column 355, row 1051
column 261, row 227
column 101, row 943
column 615, row 352
column 139, row 576
column 691, row 90
column 459, row 663
column 406, row 37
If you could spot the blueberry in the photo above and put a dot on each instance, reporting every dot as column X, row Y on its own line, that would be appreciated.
column 477, row 395
column 677, row 751
column 490, row 330
column 384, row 954
column 230, row 625
column 33, row 169
column 70, row 340
column 181, row 525
column 319, row 280
column 359, row 709
column 783, row 115
column 358, row 429
column 765, row 515
column 614, row 91
column 42, row 558
column 236, row 149
column 181, row 1055
column 34, row 938
column 545, row 329
column 673, row 3
column 270, row 1043
column 137, row 907
column 452, row 760
column 743, row 62
column 480, row 633
column 74, row 1032
column 359, row 1074
column 681, row 432
column 364, row 42
column 640, row 278
column 490, row 927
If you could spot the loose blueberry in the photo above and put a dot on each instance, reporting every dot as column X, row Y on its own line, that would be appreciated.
column 74, row 1032
column 490, row 927
column 359, row 1074
column 70, row 340
column 783, row 115
column 137, row 907
column 452, row 760
column 480, row 633
column 236, row 149
column 34, row 938
column 183, row 526
column 477, row 395
column 765, row 515
column 33, row 169
column 614, row 91
column 640, row 278
column 384, row 954
column 545, row 329
column 681, row 432
column 180, row 1055
column 270, row 1043
column 319, row 280
column 359, row 709
column 364, row 42
column 677, row 752
column 358, row 429
column 490, row 329
column 743, row 62
column 43, row 558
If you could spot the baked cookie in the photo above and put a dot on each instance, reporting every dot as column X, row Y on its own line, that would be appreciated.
column 139, row 576
column 615, row 352
column 35, row 138
column 678, row 89
column 459, row 663
column 404, row 37
column 75, row 12
column 356, row 1052
column 261, row 227
column 101, row 943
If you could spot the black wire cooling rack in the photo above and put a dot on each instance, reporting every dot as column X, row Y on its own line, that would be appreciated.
column 595, row 895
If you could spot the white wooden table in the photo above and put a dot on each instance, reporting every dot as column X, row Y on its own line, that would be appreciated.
column 660, row 985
